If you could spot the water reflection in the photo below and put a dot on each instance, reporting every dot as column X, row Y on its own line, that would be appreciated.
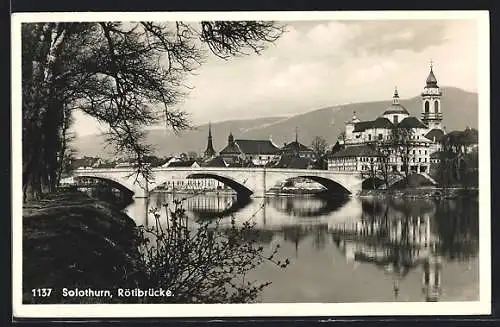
column 420, row 249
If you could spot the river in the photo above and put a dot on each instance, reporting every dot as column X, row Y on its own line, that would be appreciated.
column 352, row 249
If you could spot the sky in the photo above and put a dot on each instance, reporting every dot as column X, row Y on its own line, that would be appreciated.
column 317, row 64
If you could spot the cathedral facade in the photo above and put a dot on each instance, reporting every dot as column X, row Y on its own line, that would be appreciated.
column 395, row 139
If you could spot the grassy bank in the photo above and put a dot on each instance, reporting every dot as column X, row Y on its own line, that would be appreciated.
column 424, row 192
column 71, row 240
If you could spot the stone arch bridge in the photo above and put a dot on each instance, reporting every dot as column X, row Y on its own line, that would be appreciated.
column 246, row 182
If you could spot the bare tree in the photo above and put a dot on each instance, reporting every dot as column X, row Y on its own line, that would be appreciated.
column 320, row 148
column 126, row 75
column 400, row 141
column 384, row 154
column 319, row 145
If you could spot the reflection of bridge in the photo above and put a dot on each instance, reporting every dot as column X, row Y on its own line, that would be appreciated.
column 245, row 181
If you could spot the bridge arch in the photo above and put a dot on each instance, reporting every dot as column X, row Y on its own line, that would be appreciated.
column 396, row 180
column 115, row 182
column 420, row 179
column 371, row 183
column 331, row 185
column 240, row 189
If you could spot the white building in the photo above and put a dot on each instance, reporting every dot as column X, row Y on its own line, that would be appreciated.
column 371, row 143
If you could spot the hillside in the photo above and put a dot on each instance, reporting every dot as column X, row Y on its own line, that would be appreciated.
column 459, row 108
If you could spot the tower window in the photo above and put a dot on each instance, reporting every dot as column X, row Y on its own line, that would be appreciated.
column 426, row 105
column 436, row 106
column 396, row 120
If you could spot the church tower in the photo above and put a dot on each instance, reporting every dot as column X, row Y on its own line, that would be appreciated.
column 209, row 152
column 432, row 114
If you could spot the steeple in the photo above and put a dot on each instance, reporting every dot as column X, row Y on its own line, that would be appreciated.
column 355, row 118
column 395, row 97
column 296, row 134
column 230, row 138
column 431, row 81
column 432, row 114
column 209, row 152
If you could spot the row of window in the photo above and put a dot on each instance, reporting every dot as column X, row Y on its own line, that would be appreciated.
column 427, row 105
column 194, row 182
column 380, row 137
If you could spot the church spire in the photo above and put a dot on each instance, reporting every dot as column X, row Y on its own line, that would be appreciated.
column 431, row 78
column 395, row 97
column 432, row 113
column 209, row 152
column 296, row 134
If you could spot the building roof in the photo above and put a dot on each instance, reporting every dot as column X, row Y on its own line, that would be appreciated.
column 431, row 79
column 470, row 136
column 396, row 108
column 187, row 163
column 251, row 147
column 288, row 161
column 363, row 125
column 466, row 137
column 232, row 148
column 356, row 151
column 216, row 162
column 435, row 134
column 295, row 146
column 411, row 122
column 380, row 122
column 337, row 147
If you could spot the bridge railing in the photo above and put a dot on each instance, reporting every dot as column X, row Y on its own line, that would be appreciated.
column 256, row 169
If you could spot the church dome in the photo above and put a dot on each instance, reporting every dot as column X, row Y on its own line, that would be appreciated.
column 396, row 107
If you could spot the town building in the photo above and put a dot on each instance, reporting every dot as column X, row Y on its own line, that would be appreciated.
column 395, row 138
column 216, row 162
column 297, row 149
column 187, row 164
column 193, row 184
column 249, row 152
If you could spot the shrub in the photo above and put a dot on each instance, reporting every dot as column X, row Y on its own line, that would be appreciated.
column 204, row 263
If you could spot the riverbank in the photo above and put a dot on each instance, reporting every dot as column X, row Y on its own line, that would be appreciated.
column 73, row 241
column 425, row 192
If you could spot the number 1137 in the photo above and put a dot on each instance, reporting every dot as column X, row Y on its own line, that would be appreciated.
column 41, row 292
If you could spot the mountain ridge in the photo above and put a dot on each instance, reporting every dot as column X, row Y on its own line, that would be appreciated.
column 460, row 109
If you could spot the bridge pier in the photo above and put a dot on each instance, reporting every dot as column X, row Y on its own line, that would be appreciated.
column 140, row 193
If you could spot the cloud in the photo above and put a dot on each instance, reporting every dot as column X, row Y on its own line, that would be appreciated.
column 385, row 37
column 327, row 63
column 331, row 36
column 372, row 72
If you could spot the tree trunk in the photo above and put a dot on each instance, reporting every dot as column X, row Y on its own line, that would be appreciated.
column 40, row 112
